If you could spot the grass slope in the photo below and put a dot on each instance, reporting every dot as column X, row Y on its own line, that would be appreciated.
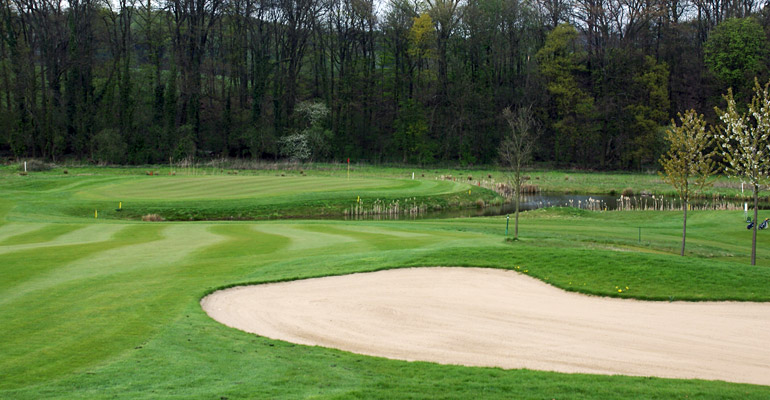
column 223, row 197
column 109, row 309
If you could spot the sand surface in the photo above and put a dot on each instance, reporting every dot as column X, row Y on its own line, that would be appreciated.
column 488, row 317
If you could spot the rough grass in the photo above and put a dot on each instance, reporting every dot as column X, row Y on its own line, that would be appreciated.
column 109, row 309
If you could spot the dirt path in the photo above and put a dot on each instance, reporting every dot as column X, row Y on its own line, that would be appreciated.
column 487, row 317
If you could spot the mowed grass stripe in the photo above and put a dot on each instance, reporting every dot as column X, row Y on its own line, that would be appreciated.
column 41, row 269
column 84, row 311
column 300, row 240
column 378, row 239
column 11, row 229
column 5, row 208
column 82, row 235
column 243, row 245
column 228, row 187
column 43, row 234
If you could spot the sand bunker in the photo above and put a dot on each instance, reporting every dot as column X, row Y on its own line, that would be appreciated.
column 487, row 317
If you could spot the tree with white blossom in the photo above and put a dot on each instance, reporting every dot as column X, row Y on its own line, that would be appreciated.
column 744, row 144
column 687, row 165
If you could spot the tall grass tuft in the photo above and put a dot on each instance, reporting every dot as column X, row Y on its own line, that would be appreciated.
column 152, row 218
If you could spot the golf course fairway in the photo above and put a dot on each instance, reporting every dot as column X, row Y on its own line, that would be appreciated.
column 107, row 306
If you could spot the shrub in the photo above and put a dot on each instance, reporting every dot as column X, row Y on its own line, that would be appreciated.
column 628, row 192
column 152, row 218
column 35, row 166
column 295, row 147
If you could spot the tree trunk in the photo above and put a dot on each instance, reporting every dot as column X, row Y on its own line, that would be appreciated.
column 516, row 219
column 754, row 234
column 684, row 226
column 517, row 194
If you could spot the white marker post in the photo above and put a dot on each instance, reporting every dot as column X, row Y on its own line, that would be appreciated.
column 745, row 206
column 25, row 166
column 412, row 175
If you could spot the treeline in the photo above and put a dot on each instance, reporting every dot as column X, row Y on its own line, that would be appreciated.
column 146, row 81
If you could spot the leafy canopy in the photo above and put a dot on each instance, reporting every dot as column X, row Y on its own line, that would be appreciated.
column 688, row 157
column 735, row 50
column 744, row 141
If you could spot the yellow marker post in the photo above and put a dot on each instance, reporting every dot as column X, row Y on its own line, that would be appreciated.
column 96, row 214
column 120, row 205
column 358, row 200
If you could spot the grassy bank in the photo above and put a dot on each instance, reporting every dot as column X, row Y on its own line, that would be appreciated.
column 109, row 308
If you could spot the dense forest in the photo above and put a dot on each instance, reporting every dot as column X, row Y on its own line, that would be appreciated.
column 413, row 81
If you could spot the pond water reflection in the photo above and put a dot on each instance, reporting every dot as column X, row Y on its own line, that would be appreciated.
column 582, row 201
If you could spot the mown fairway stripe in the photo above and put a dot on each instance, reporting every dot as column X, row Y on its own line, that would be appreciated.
column 42, row 234
column 300, row 239
column 84, row 234
column 83, row 310
column 224, row 187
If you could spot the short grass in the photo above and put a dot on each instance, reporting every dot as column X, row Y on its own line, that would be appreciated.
column 109, row 308
column 562, row 181
column 114, row 194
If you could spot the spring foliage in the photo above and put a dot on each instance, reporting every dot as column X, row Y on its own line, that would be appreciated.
column 744, row 142
column 687, row 165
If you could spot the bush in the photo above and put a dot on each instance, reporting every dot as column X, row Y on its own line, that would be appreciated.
column 152, row 218
column 628, row 192
column 35, row 166
column 295, row 147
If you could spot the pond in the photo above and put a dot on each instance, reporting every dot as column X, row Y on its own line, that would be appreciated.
column 582, row 201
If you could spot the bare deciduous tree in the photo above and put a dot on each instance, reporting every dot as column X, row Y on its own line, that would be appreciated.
column 516, row 150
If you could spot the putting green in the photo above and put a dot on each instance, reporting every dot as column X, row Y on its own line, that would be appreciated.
column 241, row 187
